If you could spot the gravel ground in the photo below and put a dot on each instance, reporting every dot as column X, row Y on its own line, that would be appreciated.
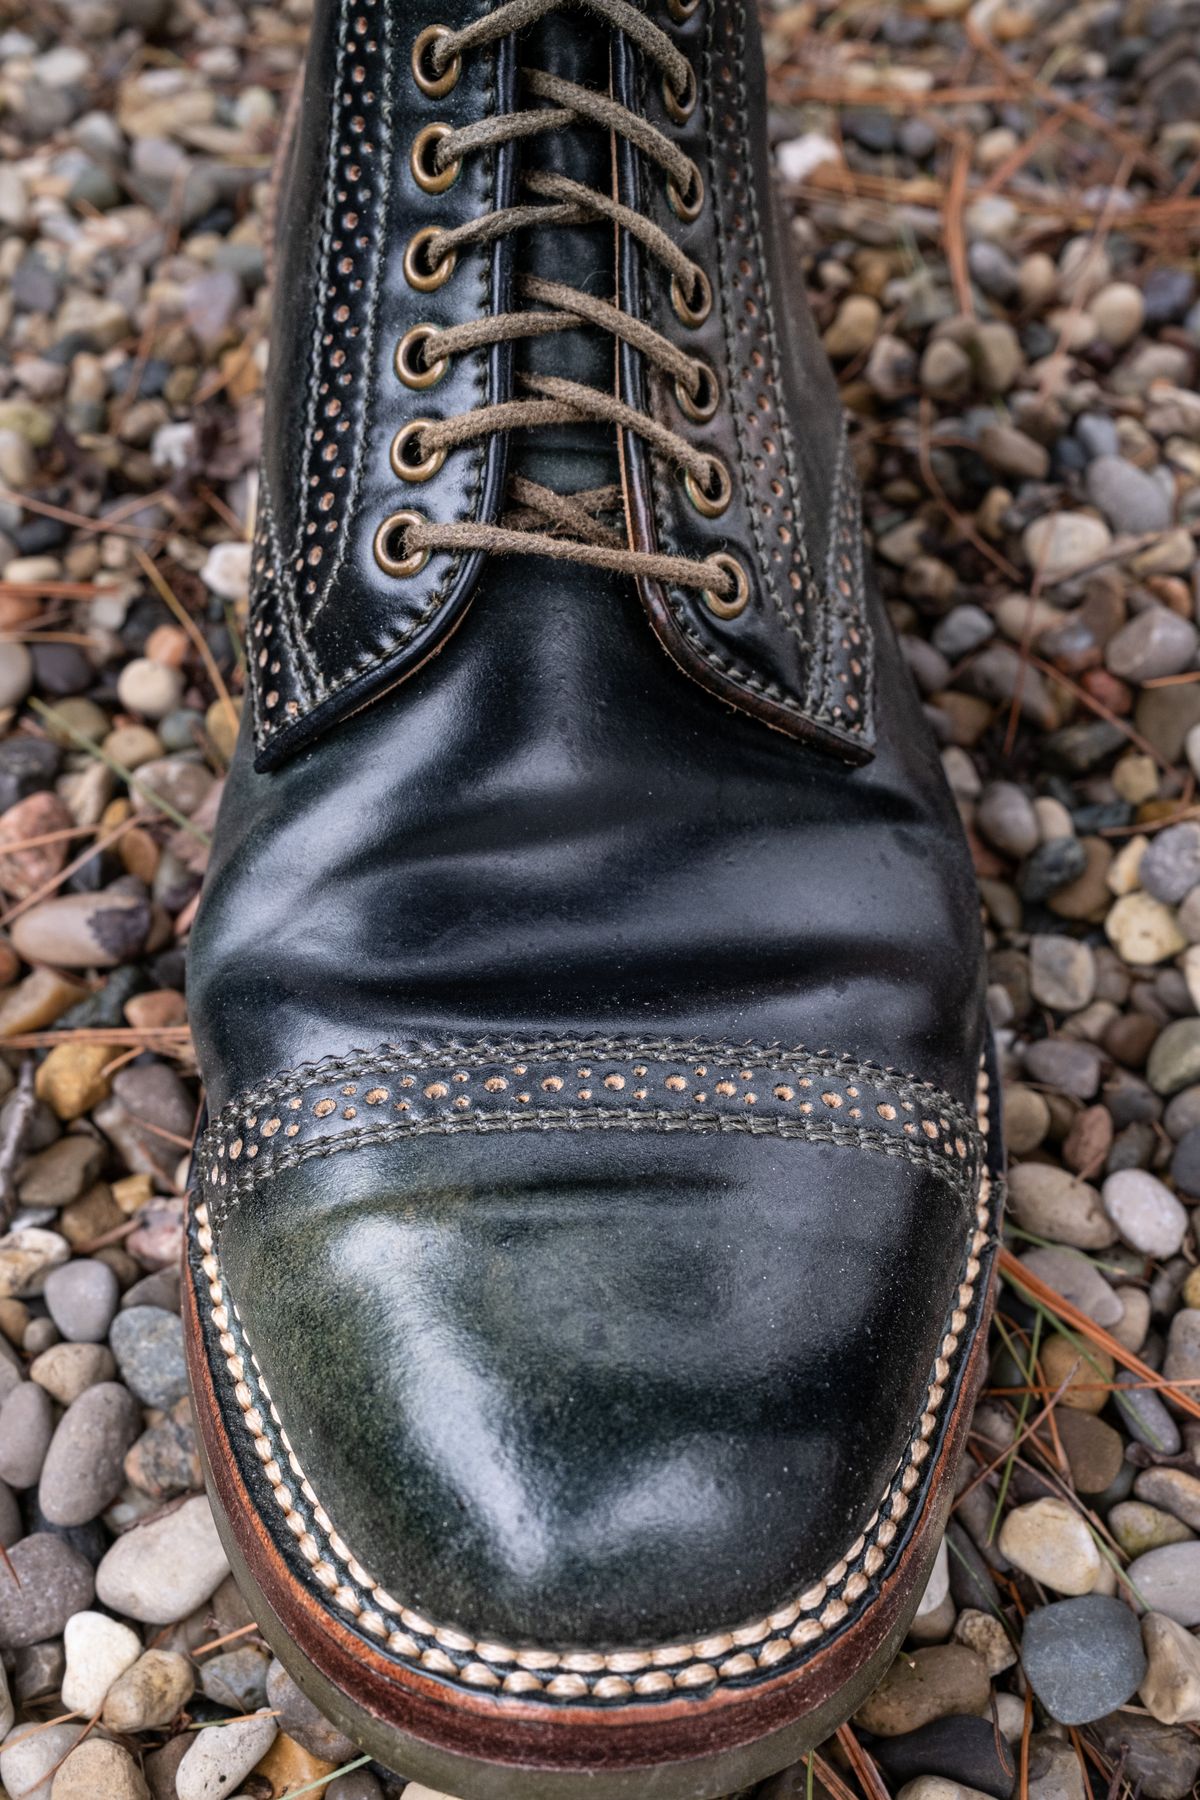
column 999, row 212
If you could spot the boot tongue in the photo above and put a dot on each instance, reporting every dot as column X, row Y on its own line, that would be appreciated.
column 568, row 458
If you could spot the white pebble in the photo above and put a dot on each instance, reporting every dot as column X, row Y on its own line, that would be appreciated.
column 149, row 688
column 1145, row 1212
column 99, row 1650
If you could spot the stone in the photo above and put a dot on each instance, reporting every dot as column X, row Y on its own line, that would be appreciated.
column 54, row 1582
column 1048, row 1540
column 1061, row 544
column 152, row 689
column 290, row 1768
column 26, row 1427
column 237, row 1678
column 1174, row 1062
column 61, row 1172
column 1155, row 643
column 26, row 867
column 166, row 1458
column 359, row 1785
column 855, row 327
column 147, row 1342
column 67, row 1370
column 1065, row 1065
column 1118, row 312
column 1062, row 973
column 1170, row 868
column 1174, row 1490
column 1182, row 1361
column 1134, row 504
column 1159, row 1761
column 150, row 1694
column 1026, row 1118
column 1143, row 931
column 1094, row 1450
column 1145, row 1212
column 161, row 1571
column 83, row 1471
column 303, row 1721
column 1080, row 1373
column 73, row 1078
column 26, row 1258
column 1077, row 1279
column 962, row 1751
column 923, row 1685
column 1083, row 1657
column 98, row 1651
column 1050, row 1202
column 986, row 1635
column 1143, row 1413
column 96, row 1768
column 37, row 1002
column 1167, row 1580
column 31, row 1754
column 1139, row 1527
column 82, row 1298
column 84, row 931
column 221, row 1757
column 1170, row 1690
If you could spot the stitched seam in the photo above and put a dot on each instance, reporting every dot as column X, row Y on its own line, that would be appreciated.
column 584, row 1675
column 765, row 1059
column 294, row 639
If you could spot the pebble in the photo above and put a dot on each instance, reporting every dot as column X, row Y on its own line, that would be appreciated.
column 1131, row 500
column 1167, row 1580
column 26, row 1258
column 1050, row 1202
column 1182, row 1361
column 147, row 1342
column 1082, row 1372
column 1170, row 869
column 162, row 1571
column 1160, row 1761
column 1095, row 1452
column 83, row 931
column 1174, row 1061
column 1077, row 1279
column 82, row 1298
column 961, row 1750
column 99, row 1768
column 925, row 1685
column 1170, row 1689
column 1155, row 643
column 98, row 1651
column 31, row 1754
column 1083, row 1657
column 1145, row 1417
column 1061, row 544
column 54, row 1582
column 26, row 1427
column 61, row 1172
column 1049, row 1540
column 1118, row 312
column 151, row 1693
column 302, row 1720
column 1138, row 1527
column 152, row 689
column 1175, row 1490
column 1062, row 973
column 1006, row 817
column 83, row 1471
column 1145, row 1212
column 222, row 1756
column 1143, row 931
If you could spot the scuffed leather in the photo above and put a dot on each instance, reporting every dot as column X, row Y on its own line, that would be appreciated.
column 578, row 1386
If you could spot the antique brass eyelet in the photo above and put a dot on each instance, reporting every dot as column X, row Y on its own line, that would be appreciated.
column 682, row 10
column 680, row 106
column 385, row 545
column 711, row 499
column 701, row 405
column 426, row 172
column 417, row 272
column 692, row 309
column 687, row 206
column 425, row 74
column 410, row 362
column 737, row 602
column 408, row 439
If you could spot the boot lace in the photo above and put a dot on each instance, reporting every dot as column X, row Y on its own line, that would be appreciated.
column 586, row 527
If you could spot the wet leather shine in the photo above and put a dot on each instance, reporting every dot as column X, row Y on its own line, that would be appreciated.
column 583, row 1371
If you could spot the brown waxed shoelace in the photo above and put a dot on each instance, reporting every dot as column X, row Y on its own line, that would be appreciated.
column 539, row 521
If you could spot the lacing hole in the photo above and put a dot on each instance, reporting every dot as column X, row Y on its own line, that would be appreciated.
column 423, row 163
column 408, row 438
column 717, row 603
column 687, row 206
column 410, row 362
column 711, row 499
column 682, row 10
column 680, row 106
column 701, row 405
column 692, row 309
column 417, row 271
column 388, row 551
column 425, row 72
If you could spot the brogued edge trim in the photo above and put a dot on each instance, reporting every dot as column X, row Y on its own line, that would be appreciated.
column 608, row 1676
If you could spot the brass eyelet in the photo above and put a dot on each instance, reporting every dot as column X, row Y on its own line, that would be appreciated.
column 738, row 601
column 693, row 309
column 409, row 436
column 384, row 547
column 682, row 10
column 701, row 405
column 417, row 273
column 426, row 173
column 424, row 73
column 410, row 366
column 680, row 107
column 687, row 206
column 711, row 499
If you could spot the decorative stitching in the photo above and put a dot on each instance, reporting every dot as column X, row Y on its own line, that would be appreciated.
column 612, row 1676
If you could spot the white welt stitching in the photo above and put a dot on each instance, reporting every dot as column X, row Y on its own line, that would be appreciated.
column 583, row 1674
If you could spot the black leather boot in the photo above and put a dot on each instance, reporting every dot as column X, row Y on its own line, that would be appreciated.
column 590, row 1236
